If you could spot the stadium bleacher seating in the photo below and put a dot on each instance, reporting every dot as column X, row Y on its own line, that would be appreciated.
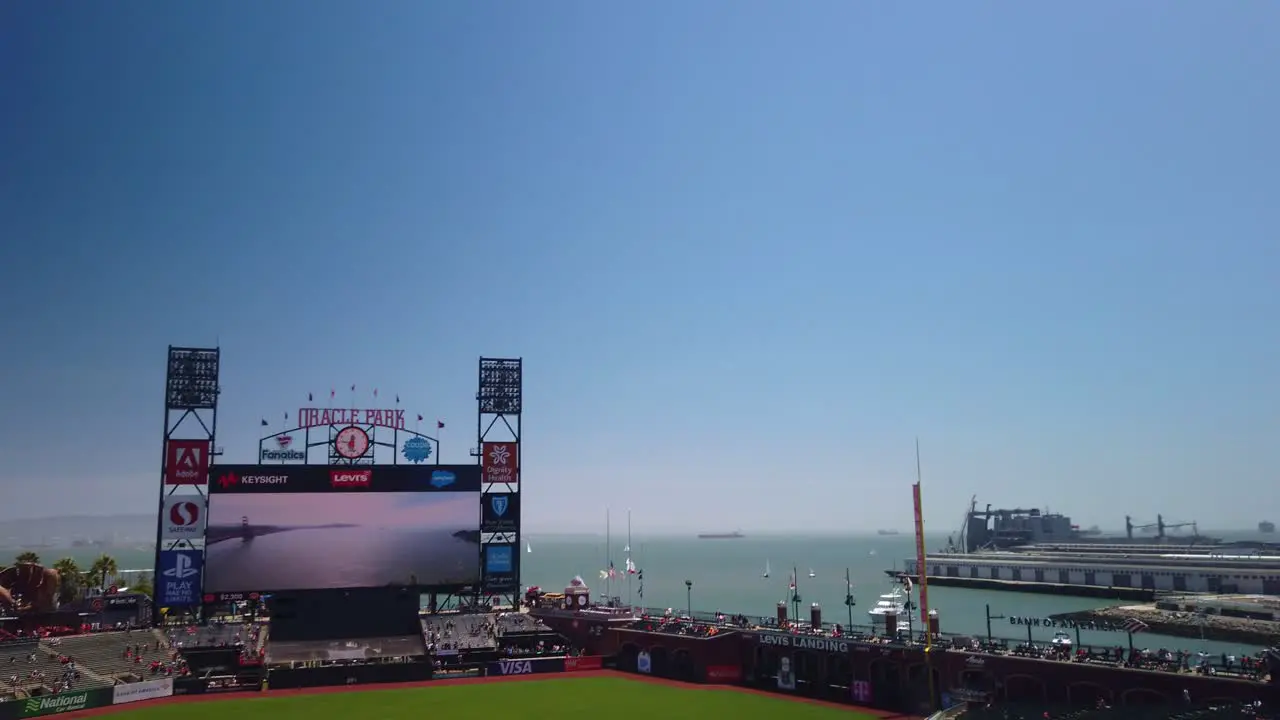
column 516, row 622
column 459, row 631
column 102, row 657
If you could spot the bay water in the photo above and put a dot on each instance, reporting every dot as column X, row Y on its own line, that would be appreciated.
column 726, row 576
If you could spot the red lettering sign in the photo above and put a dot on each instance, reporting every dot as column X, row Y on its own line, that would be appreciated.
column 575, row 664
column 724, row 673
column 350, row 478
column 186, row 462
column 500, row 462
column 314, row 417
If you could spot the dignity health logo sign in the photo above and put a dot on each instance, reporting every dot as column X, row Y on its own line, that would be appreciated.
column 135, row 692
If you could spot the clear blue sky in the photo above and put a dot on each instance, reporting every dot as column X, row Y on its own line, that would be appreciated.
column 748, row 250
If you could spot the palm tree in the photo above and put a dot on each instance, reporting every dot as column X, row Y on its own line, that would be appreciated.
column 26, row 556
column 70, row 578
column 102, row 568
column 144, row 585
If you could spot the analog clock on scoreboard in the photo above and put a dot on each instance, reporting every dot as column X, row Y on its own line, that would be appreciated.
column 351, row 442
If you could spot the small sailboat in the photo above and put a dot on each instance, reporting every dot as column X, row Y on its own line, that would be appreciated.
column 765, row 574
column 812, row 573
column 527, row 547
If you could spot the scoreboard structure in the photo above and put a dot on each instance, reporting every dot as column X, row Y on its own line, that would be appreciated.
column 189, row 464
column 500, row 403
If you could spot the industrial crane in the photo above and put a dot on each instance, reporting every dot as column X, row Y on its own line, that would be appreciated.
column 1159, row 525
column 1129, row 527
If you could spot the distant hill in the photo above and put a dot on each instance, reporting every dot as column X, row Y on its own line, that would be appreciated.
column 61, row 531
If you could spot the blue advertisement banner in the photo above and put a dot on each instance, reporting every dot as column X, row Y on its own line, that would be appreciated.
column 178, row 579
column 531, row 666
column 500, row 512
column 500, row 561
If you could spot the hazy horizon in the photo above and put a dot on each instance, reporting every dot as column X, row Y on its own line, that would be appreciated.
column 643, row 531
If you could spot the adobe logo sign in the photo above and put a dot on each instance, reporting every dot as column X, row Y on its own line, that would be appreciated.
column 341, row 479
column 186, row 462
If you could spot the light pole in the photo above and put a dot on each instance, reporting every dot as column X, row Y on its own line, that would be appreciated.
column 688, row 597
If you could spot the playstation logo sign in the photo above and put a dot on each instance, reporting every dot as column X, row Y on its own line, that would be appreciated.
column 179, row 577
column 183, row 567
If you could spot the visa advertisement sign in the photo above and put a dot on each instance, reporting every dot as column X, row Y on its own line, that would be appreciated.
column 178, row 580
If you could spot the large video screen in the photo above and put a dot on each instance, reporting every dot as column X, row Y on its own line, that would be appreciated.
column 331, row 528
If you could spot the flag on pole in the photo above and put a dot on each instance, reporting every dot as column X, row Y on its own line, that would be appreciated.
column 353, row 388
column 332, row 392
column 631, row 567
column 264, row 422
column 375, row 392
column 419, row 418
column 439, row 424
column 397, row 399
column 309, row 398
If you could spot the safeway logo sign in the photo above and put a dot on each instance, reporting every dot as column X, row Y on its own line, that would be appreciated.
column 183, row 519
column 515, row 667
column 350, row 478
column 500, row 462
column 186, row 462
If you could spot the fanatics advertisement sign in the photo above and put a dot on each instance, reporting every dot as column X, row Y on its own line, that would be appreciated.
column 341, row 478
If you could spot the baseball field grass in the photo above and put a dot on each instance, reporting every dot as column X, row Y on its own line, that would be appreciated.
column 615, row 698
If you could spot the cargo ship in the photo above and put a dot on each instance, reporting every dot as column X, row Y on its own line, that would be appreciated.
column 721, row 536
column 1006, row 528
column 1033, row 551
column 886, row 532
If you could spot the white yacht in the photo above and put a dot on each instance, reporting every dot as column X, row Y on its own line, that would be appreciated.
column 1062, row 640
column 893, row 602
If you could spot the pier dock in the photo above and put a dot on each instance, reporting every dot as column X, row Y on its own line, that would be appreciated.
column 1225, row 618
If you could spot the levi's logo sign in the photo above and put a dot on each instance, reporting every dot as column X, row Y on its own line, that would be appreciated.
column 350, row 478
column 515, row 667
